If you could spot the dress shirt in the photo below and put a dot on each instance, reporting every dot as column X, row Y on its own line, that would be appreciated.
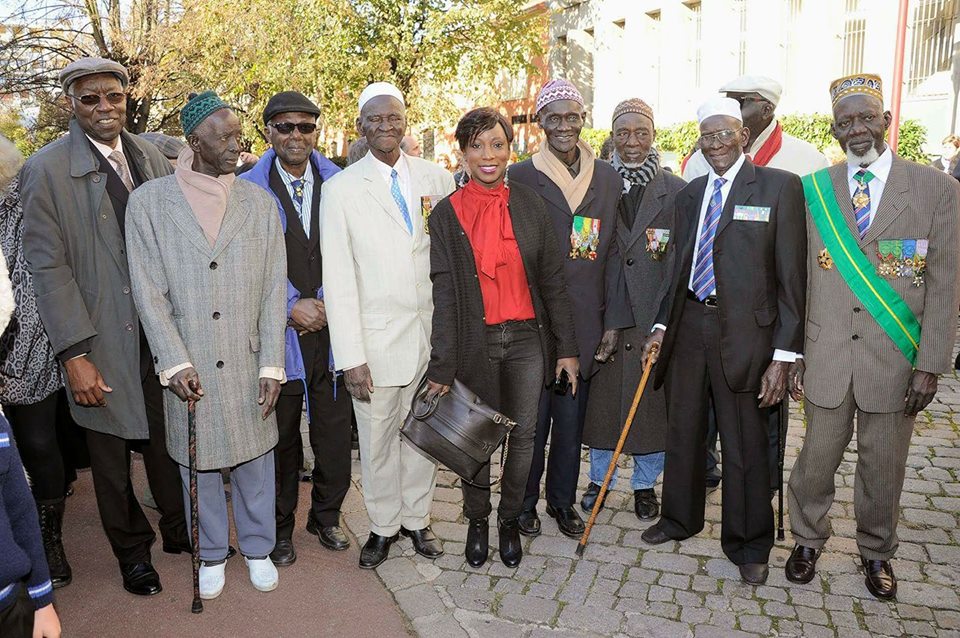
column 881, row 173
column 307, row 206
column 403, row 177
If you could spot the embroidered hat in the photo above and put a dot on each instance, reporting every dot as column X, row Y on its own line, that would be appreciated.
column 376, row 90
column 719, row 106
column 198, row 108
column 556, row 90
column 861, row 83
column 289, row 102
column 767, row 88
column 83, row 67
column 632, row 105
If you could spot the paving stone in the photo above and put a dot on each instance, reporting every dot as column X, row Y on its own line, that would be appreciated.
column 935, row 596
column 634, row 589
column 845, row 619
column 675, row 563
column 542, row 590
column 806, row 598
column 695, row 615
column 641, row 575
column 439, row 626
column 918, row 628
column 944, row 554
column 725, row 619
column 722, row 568
column 676, row 581
column 709, row 631
column 587, row 619
column 528, row 608
column 573, row 594
column 771, row 593
column 745, row 606
column 605, row 586
column 472, row 599
column 546, row 632
column 478, row 581
column 779, row 610
column 642, row 625
column 947, row 619
column 687, row 599
column 702, row 583
column 789, row 628
column 398, row 573
column 883, row 625
column 811, row 615
column 817, row 631
column 839, row 603
column 419, row 601
column 509, row 586
column 600, row 600
column 914, row 612
column 756, row 624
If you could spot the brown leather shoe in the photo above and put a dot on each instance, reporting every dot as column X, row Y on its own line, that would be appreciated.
column 880, row 579
column 801, row 567
column 754, row 573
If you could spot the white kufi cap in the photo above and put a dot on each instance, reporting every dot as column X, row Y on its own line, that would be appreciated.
column 719, row 106
column 377, row 89
column 765, row 87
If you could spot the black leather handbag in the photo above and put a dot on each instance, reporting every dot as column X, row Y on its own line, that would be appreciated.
column 457, row 430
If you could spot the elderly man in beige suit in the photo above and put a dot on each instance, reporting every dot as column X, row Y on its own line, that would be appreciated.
column 881, row 320
column 376, row 269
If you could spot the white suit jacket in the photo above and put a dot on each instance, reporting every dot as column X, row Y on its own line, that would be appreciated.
column 376, row 274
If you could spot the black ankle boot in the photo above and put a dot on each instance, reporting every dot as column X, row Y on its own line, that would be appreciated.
column 510, row 549
column 51, row 525
column 478, row 541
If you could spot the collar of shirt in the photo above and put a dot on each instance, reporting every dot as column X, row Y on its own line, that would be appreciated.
column 105, row 149
column 403, row 171
column 288, row 178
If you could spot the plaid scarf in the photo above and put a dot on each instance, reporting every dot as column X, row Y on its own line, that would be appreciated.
column 639, row 175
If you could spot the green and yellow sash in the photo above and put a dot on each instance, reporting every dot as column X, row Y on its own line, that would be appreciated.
column 879, row 298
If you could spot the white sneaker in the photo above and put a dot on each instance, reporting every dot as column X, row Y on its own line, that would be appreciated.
column 212, row 579
column 263, row 573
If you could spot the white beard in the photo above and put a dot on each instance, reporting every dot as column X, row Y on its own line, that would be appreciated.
column 866, row 159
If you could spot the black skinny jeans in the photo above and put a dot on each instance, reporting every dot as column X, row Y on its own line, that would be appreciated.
column 35, row 431
column 513, row 349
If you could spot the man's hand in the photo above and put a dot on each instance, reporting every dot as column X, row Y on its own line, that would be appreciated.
column 795, row 379
column 310, row 315
column 923, row 385
column 359, row 382
column 436, row 389
column 773, row 384
column 608, row 345
column 186, row 385
column 46, row 623
column 651, row 347
column 269, row 393
column 572, row 367
column 85, row 382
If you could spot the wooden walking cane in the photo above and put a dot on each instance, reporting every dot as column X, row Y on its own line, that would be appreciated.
column 654, row 351
column 194, row 522
column 781, row 452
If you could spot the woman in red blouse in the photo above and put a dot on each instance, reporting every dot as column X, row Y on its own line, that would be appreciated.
column 501, row 322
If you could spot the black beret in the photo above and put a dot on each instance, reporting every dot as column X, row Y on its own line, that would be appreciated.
column 289, row 102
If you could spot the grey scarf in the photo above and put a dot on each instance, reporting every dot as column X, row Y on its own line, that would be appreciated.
column 639, row 175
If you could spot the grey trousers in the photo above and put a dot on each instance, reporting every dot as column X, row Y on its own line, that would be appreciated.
column 883, row 441
column 252, row 489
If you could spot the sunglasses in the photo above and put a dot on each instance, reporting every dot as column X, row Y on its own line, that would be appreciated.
column 286, row 128
column 724, row 137
column 93, row 99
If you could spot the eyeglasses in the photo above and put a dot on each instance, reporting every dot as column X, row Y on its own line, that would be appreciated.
column 745, row 98
column 724, row 137
column 286, row 128
column 93, row 99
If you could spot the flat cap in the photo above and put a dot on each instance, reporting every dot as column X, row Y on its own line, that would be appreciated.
column 289, row 102
column 767, row 88
column 168, row 146
column 83, row 67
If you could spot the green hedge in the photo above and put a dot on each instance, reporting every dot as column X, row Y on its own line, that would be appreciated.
column 814, row 128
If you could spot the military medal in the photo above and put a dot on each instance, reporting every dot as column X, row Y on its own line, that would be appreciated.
column 825, row 260
column 860, row 198
column 657, row 240
column 584, row 238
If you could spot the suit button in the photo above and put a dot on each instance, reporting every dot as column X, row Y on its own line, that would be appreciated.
column 630, row 261
column 857, row 309
column 219, row 364
column 96, row 179
column 128, row 327
column 156, row 359
column 216, row 315
column 103, row 216
column 855, row 337
column 126, row 290
column 628, row 347
column 312, row 257
column 213, row 265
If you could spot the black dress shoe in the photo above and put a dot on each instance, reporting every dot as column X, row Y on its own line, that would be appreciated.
column 801, row 567
column 425, row 542
column 568, row 520
column 331, row 537
column 529, row 523
column 754, row 573
column 375, row 550
column 478, row 541
column 141, row 579
column 283, row 553
column 177, row 547
column 511, row 551
column 880, row 579
column 653, row 535
column 590, row 498
column 645, row 504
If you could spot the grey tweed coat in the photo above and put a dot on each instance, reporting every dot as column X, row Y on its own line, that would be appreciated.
column 223, row 309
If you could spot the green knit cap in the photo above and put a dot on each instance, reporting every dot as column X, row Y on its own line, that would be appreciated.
column 198, row 108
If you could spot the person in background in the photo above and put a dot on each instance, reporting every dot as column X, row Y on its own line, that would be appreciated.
column 357, row 150
column 508, row 337
column 167, row 144
column 947, row 161
column 411, row 146
column 645, row 234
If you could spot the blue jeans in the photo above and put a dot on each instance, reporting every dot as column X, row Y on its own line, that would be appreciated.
column 646, row 468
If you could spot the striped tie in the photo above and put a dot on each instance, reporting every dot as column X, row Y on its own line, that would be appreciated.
column 861, row 201
column 704, row 283
column 398, row 197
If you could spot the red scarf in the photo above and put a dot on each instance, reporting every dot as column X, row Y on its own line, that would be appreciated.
column 483, row 213
column 770, row 148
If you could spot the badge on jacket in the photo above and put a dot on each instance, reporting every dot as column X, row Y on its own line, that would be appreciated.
column 903, row 258
column 427, row 202
column 584, row 238
column 657, row 240
column 824, row 260
column 751, row 213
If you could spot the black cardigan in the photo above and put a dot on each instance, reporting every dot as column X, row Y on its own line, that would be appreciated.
column 459, row 344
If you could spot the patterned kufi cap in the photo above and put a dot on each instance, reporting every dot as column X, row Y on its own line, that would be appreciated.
column 861, row 83
column 632, row 105
column 199, row 108
column 556, row 90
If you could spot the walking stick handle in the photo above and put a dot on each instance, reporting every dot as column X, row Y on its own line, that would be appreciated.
column 651, row 359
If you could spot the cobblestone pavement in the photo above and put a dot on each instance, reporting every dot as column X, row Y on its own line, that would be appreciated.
column 621, row 587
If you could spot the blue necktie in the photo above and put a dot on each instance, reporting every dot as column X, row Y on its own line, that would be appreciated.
column 401, row 202
column 704, row 283
column 297, row 186
column 861, row 201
